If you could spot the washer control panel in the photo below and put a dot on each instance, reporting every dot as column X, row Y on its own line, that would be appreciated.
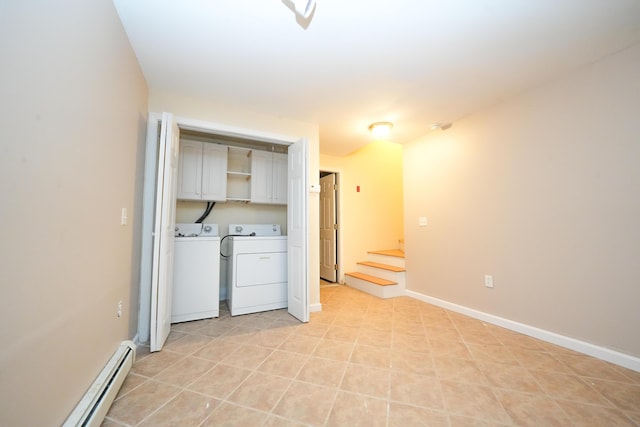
column 258, row 229
column 196, row 230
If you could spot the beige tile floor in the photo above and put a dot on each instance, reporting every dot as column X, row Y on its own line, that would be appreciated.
column 365, row 361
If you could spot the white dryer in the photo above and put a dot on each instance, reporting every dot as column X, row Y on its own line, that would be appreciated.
column 196, row 272
column 256, row 268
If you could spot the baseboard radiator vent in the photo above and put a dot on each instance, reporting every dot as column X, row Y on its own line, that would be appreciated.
column 95, row 404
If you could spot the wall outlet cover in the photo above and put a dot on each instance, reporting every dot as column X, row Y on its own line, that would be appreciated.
column 488, row 281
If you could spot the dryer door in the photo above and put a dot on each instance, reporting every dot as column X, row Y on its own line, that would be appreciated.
column 257, row 269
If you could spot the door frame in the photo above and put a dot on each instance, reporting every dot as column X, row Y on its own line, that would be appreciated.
column 339, row 248
column 148, row 209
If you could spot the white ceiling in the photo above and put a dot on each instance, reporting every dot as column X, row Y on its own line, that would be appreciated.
column 411, row 62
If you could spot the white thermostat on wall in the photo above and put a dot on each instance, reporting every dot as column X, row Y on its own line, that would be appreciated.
column 315, row 188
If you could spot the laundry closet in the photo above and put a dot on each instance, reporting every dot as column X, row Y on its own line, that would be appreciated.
column 244, row 193
column 235, row 180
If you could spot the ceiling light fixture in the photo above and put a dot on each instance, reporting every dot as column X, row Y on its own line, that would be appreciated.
column 441, row 126
column 304, row 8
column 381, row 129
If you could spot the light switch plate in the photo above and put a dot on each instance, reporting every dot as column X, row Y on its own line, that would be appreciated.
column 422, row 221
column 488, row 281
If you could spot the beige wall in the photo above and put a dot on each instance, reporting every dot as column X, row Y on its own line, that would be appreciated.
column 371, row 219
column 73, row 104
column 543, row 193
column 209, row 111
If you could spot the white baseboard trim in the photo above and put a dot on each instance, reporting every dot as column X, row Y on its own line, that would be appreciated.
column 315, row 307
column 137, row 343
column 616, row 357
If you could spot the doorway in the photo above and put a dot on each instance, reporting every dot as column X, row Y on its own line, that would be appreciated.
column 329, row 226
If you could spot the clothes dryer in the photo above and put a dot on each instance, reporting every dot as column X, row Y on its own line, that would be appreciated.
column 256, row 268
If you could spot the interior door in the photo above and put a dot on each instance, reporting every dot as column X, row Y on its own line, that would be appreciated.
column 163, row 231
column 328, row 232
column 297, row 228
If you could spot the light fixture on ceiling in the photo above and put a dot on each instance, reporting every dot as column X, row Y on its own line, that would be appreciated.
column 304, row 8
column 441, row 126
column 381, row 129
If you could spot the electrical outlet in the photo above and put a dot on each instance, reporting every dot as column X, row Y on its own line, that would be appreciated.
column 488, row 281
column 119, row 312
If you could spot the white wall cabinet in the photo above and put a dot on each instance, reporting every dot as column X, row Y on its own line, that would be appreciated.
column 216, row 172
column 202, row 171
column 268, row 178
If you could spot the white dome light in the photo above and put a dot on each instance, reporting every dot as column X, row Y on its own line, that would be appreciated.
column 381, row 130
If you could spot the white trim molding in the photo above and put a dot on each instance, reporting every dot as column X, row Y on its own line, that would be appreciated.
column 616, row 357
column 315, row 307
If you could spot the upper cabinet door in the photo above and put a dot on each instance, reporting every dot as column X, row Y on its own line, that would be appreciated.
column 261, row 176
column 202, row 172
column 190, row 171
column 269, row 178
column 214, row 172
column 280, row 167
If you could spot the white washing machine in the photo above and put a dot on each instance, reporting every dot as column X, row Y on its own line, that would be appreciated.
column 256, row 268
column 196, row 272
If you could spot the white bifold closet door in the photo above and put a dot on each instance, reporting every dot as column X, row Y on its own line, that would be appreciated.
column 298, row 230
column 163, row 232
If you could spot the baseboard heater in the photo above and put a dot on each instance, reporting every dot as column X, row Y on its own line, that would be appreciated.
column 95, row 404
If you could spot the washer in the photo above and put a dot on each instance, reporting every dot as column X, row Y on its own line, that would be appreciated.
column 256, row 268
column 196, row 272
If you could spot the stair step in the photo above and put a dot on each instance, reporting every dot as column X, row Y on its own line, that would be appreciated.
column 389, row 252
column 385, row 259
column 382, row 266
column 375, row 280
